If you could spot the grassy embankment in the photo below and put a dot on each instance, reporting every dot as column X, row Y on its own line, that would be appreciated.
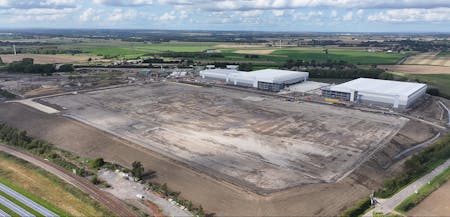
column 54, row 194
column 423, row 192
column 439, row 81
column 414, row 168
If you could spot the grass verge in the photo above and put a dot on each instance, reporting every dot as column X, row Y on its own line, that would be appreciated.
column 360, row 207
column 423, row 192
column 18, row 203
column 8, row 211
column 417, row 166
column 34, row 198
column 36, row 181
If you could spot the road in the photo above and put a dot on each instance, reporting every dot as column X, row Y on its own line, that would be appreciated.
column 4, row 214
column 388, row 205
column 33, row 205
column 14, row 207
column 109, row 201
column 448, row 111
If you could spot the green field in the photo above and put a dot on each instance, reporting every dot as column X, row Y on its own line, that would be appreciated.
column 130, row 50
column 352, row 56
column 444, row 54
column 440, row 81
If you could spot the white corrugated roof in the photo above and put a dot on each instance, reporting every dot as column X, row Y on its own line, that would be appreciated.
column 395, row 88
column 276, row 75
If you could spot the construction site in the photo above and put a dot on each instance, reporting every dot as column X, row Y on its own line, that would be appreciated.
column 249, row 148
column 252, row 141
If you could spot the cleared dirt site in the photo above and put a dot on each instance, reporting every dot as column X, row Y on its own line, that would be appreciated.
column 260, row 144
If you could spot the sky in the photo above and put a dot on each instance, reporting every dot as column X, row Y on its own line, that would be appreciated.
column 235, row 15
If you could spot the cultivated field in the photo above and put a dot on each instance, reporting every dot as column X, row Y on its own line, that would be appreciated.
column 258, row 143
column 417, row 69
column 434, row 205
column 429, row 58
column 44, row 59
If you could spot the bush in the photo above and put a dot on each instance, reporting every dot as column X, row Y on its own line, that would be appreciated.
column 433, row 91
column 95, row 180
column 358, row 209
column 66, row 68
column 97, row 163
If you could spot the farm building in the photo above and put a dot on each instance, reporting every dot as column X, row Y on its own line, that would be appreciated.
column 394, row 94
column 267, row 79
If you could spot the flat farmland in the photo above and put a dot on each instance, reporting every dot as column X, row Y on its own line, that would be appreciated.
column 429, row 58
column 434, row 205
column 45, row 59
column 417, row 69
column 360, row 57
column 260, row 144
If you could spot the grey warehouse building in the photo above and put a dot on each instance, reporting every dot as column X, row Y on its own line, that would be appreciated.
column 395, row 94
column 268, row 79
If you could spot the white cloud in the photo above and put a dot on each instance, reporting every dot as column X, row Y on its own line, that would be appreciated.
column 125, row 3
column 278, row 13
column 412, row 15
column 89, row 14
column 168, row 16
column 348, row 16
column 120, row 15
column 30, row 4
column 296, row 4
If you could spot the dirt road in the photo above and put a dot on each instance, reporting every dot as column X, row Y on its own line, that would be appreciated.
column 109, row 201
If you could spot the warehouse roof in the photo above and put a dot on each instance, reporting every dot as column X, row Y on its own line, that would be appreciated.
column 276, row 75
column 380, row 87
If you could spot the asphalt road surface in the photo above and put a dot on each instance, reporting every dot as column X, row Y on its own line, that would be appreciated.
column 33, row 205
column 388, row 205
column 109, row 201
column 15, row 208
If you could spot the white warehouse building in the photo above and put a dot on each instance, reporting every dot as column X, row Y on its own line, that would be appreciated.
column 395, row 94
column 267, row 79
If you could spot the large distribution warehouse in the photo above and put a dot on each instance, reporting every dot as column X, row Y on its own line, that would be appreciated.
column 267, row 79
column 394, row 94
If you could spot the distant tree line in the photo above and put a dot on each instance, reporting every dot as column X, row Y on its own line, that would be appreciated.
column 26, row 65
column 313, row 63
column 196, row 55
column 350, row 73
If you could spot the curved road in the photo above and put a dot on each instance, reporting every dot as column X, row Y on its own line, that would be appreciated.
column 108, row 200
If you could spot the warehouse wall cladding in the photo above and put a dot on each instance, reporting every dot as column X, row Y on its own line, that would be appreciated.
column 395, row 94
column 268, row 79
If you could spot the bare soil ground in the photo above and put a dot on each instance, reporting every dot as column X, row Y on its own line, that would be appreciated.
column 45, row 59
column 437, row 204
column 263, row 145
column 222, row 198
column 417, row 69
column 429, row 58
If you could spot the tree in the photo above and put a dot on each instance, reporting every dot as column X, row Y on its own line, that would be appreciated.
column 200, row 211
column 1, row 62
column 164, row 189
column 66, row 68
column 138, row 170
column 97, row 163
